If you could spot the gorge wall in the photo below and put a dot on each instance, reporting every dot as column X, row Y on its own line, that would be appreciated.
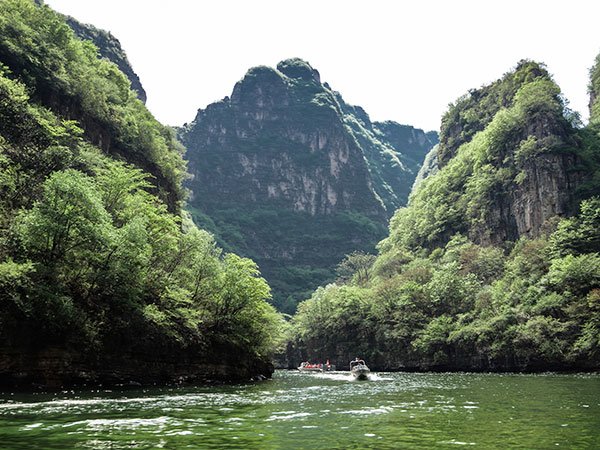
column 494, row 263
column 102, row 278
column 511, row 161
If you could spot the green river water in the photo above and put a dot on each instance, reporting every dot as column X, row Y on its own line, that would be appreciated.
column 316, row 411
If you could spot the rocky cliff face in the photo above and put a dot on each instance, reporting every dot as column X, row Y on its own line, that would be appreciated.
column 57, row 367
column 430, row 167
column 546, row 191
column 394, row 153
column 544, row 187
column 285, row 172
column 263, row 146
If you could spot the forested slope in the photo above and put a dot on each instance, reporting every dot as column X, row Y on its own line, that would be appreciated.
column 495, row 263
column 110, row 48
column 98, row 282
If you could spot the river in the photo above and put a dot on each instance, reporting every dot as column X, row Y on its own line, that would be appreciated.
column 316, row 411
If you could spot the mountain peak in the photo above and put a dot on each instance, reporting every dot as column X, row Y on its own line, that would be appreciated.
column 298, row 68
column 287, row 173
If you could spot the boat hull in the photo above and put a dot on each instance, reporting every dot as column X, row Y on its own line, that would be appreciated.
column 361, row 373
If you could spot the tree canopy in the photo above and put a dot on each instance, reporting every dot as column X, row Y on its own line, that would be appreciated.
column 95, row 256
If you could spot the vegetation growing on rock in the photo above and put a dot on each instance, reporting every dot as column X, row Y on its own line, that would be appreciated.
column 94, row 265
column 287, row 173
column 495, row 262
column 110, row 48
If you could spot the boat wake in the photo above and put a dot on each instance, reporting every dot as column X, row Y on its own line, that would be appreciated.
column 340, row 376
column 375, row 377
column 346, row 376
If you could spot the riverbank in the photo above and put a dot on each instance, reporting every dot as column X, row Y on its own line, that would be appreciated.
column 467, row 363
column 58, row 368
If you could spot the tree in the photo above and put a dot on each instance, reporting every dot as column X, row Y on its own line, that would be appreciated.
column 357, row 265
column 69, row 224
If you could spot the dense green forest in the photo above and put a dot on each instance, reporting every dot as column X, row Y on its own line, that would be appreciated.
column 455, row 285
column 97, row 264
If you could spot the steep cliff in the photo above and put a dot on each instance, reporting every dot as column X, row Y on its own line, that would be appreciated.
column 509, row 159
column 289, row 148
column 285, row 172
column 394, row 153
column 430, row 167
column 108, row 46
column 45, row 56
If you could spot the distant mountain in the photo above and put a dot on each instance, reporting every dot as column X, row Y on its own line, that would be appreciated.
column 287, row 173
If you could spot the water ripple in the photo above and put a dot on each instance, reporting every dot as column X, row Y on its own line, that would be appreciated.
column 329, row 410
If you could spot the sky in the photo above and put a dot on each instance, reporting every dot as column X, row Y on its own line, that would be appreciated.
column 399, row 60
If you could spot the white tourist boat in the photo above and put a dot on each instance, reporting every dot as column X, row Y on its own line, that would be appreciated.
column 359, row 369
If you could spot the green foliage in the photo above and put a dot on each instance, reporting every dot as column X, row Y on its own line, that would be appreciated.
column 100, row 257
column 65, row 75
column 356, row 266
column 464, row 195
column 69, row 224
column 579, row 234
column 594, row 90
column 393, row 152
column 433, row 339
column 465, row 307
column 289, row 245
column 590, row 156
column 287, row 174
column 575, row 275
column 473, row 112
column 110, row 48
column 437, row 296
column 93, row 258
column 15, row 285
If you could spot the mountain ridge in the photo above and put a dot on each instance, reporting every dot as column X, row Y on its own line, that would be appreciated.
column 108, row 47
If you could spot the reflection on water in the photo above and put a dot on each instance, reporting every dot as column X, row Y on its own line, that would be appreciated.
column 317, row 410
